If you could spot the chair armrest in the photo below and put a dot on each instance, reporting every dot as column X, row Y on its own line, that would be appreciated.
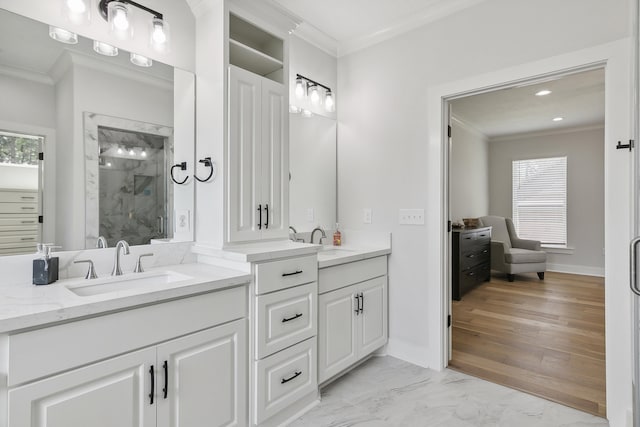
column 532, row 245
column 498, row 248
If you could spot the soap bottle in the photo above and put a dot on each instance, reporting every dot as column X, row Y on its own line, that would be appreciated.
column 337, row 236
column 45, row 268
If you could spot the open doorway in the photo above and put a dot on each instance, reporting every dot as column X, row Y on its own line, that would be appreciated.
column 510, row 158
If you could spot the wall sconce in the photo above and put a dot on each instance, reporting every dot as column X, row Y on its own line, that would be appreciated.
column 306, row 86
column 118, row 15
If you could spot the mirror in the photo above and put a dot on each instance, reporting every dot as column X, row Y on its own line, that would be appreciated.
column 312, row 160
column 109, row 132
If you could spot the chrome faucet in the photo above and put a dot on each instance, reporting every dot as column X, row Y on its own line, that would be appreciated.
column 324, row 235
column 102, row 242
column 116, row 266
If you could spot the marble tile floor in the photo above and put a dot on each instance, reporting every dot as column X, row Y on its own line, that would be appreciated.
column 385, row 392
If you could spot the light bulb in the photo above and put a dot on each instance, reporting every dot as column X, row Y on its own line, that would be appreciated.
column 314, row 95
column 104, row 48
column 62, row 35
column 329, row 105
column 160, row 35
column 144, row 153
column 140, row 61
column 108, row 164
column 118, row 17
column 299, row 88
column 120, row 20
column 120, row 150
column 132, row 153
column 76, row 6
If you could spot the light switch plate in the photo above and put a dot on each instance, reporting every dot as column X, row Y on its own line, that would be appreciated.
column 411, row 217
column 367, row 215
column 182, row 221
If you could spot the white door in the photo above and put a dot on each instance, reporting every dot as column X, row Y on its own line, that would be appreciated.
column 106, row 394
column 202, row 378
column 336, row 331
column 244, row 165
column 275, row 161
column 373, row 316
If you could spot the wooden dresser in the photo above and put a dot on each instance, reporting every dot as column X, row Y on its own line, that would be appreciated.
column 19, row 226
column 470, row 259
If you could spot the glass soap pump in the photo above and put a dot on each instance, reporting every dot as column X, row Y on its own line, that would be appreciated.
column 45, row 268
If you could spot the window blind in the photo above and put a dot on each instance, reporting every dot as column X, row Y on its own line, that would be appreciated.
column 540, row 199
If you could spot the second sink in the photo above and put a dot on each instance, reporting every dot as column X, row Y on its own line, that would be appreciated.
column 126, row 282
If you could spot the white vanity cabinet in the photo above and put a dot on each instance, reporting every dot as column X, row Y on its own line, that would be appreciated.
column 352, row 308
column 258, row 203
column 78, row 374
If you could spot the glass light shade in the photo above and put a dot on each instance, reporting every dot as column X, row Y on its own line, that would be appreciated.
column 329, row 104
column 119, row 20
column 306, row 113
column 62, row 35
column 314, row 95
column 105, row 48
column 140, row 61
column 77, row 11
column 299, row 88
column 160, row 35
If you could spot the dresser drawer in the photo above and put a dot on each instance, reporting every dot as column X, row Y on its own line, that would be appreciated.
column 470, row 278
column 283, row 378
column 19, row 208
column 22, row 238
column 286, row 273
column 285, row 318
column 18, row 196
column 18, row 222
column 474, row 256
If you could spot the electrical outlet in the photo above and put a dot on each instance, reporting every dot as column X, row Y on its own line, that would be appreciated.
column 310, row 215
column 368, row 215
column 182, row 221
column 411, row 216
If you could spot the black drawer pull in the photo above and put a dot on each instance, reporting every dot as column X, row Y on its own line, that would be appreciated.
column 165, row 390
column 467, row 238
column 471, row 274
column 361, row 302
column 292, row 274
column 471, row 256
column 292, row 318
column 153, row 385
column 483, row 235
column 27, row 197
column 293, row 377
column 266, row 209
column 485, row 251
column 26, row 239
column 260, row 217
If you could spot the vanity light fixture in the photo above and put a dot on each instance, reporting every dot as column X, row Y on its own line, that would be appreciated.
column 305, row 85
column 131, row 152
column 543, row 92
column 118, row 14
column 105, row 48
column 77, row 10
column 62, row 35
column 140, row 61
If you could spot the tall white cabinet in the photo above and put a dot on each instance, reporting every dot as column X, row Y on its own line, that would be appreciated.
column 258, row 158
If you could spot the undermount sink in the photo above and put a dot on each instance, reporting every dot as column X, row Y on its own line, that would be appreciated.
column 333, row 250
column 126, row 282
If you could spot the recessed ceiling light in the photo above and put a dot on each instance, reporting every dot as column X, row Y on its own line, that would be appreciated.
column 543, row 92
column 558, row 119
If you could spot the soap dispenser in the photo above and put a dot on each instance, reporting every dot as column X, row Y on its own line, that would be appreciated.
column 337, row 236
column 45, row 268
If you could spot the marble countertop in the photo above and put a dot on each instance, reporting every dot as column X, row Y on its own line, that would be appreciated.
column 335, row 255
column 260, row 251
column 26, row 306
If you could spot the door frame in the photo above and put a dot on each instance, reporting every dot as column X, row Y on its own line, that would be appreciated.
column 615, row 58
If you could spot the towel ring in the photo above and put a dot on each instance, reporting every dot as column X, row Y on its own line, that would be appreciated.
column 183, row 167
column 208, row 163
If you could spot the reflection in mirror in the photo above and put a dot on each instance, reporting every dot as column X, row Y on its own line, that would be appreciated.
column 312, row 186
column 80, row 108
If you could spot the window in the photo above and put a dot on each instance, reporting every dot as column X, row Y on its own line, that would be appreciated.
column 540, row 200
column 19, row 149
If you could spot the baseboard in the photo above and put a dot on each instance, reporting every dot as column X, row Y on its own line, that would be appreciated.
column 576, row 269
column 409, row 352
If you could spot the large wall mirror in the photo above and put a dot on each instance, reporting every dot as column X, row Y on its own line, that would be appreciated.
column 87, row 142
column 312, row 185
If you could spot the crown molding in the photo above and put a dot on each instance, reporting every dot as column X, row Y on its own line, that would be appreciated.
column 317, row 38
column 22, row 74
column 419, row 19
column 468, row 127
column 548, row 132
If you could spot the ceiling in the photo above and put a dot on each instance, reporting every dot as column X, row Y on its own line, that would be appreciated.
column 343, row 26
column 578, row 98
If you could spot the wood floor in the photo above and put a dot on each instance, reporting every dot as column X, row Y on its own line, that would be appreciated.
column 542, row 337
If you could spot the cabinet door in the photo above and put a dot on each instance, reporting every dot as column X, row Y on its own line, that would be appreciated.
column 373, row 319
column 275, row 160
column 244, row 166
column 205, row 378
column 336, row 332
column 106, row 394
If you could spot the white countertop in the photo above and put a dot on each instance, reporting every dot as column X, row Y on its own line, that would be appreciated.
column 260, row 251
column 26, row 305
column 335, row 255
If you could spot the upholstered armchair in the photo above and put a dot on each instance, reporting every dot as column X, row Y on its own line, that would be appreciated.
column 511, row 254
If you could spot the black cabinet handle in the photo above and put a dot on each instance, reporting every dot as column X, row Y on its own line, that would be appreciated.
column 471, row 256
column 165, row 390
column 361, row 302
column 472, row 274
column 292, row 318
column 292, row 274
column 153, row 385
column 357, row 310
column 293, row 377
column 266, row 209
column 485, row 251
column 260, row 217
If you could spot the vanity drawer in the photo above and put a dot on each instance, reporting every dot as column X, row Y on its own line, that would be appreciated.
column 19, row 208
column 18, row 196
column 332, row 278
column 286, row 273
column 285, row 318
column 285, row 377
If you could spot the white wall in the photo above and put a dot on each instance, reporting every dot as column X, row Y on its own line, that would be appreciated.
column 389, row 145
column 30, row 101
column 468, row 172
column 177, row 13
column 585, row 190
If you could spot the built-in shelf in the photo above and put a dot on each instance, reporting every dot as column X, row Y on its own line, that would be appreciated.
column 255, row 49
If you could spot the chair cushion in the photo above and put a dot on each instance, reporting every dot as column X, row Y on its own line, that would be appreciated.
column 523, row 256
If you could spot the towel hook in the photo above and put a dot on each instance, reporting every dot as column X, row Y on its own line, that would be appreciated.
column 208, row 163
column 183, row 167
